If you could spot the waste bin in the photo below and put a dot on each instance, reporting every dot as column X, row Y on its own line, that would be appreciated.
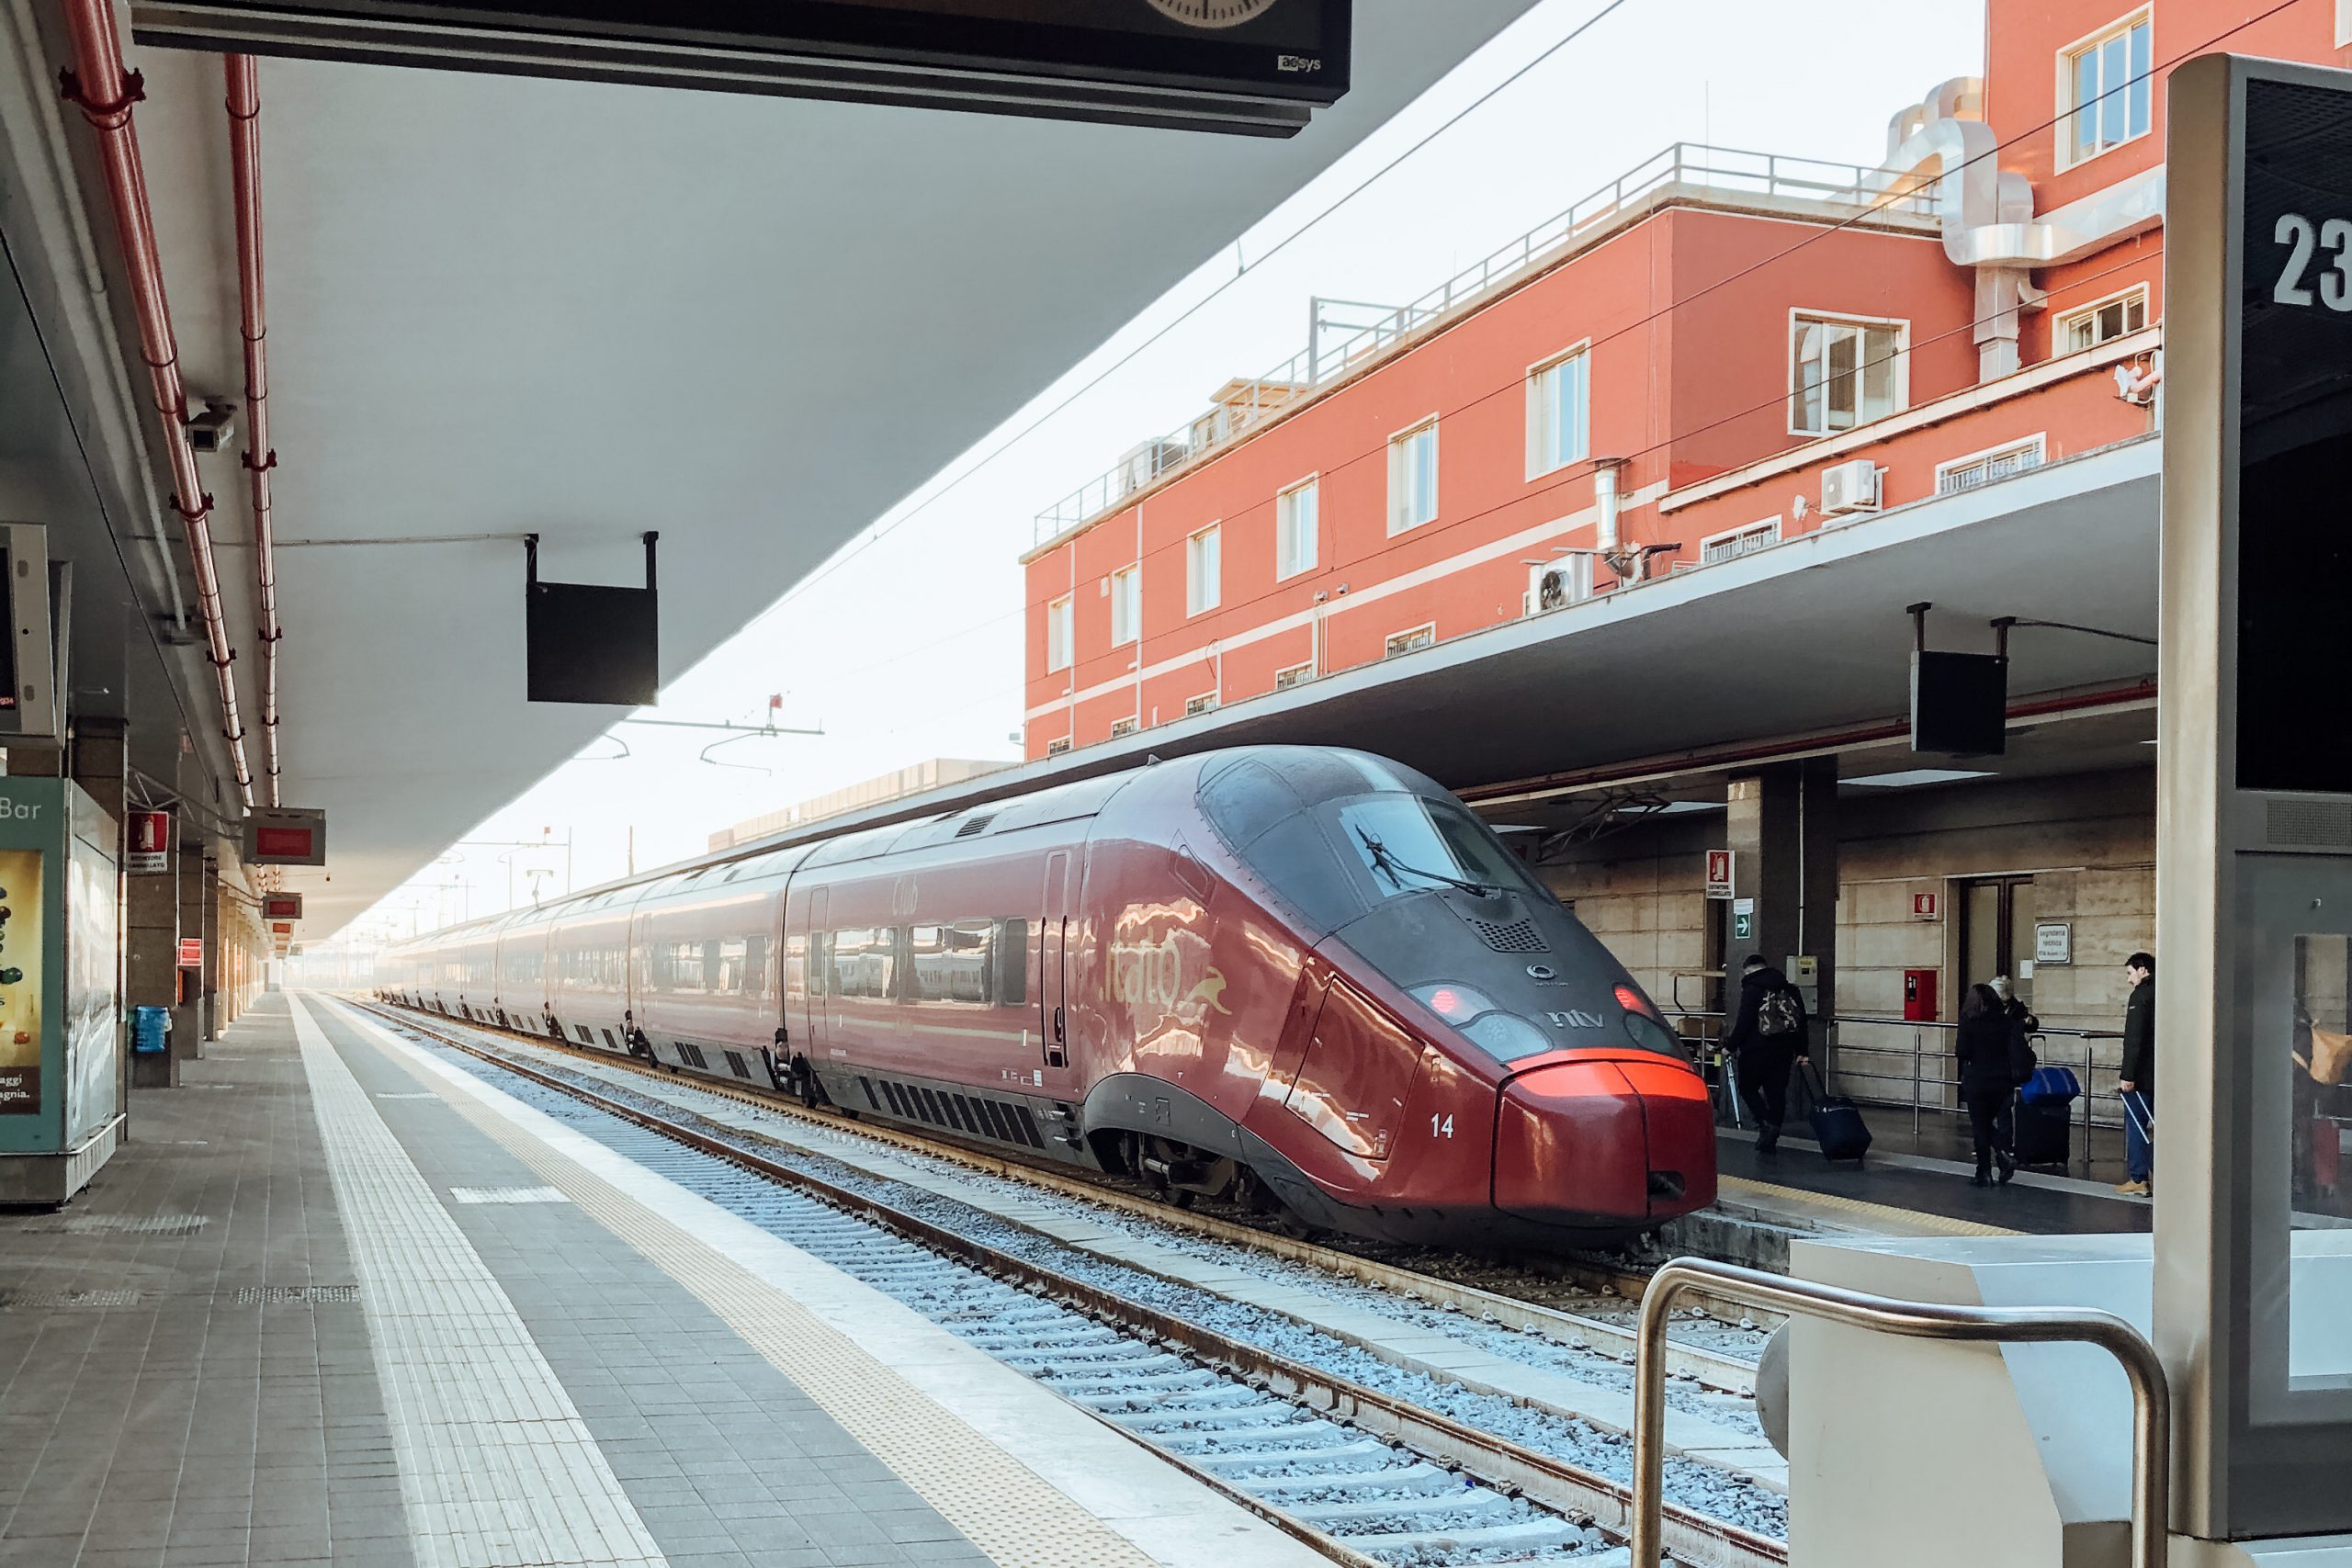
column 147, row 1027
column 2045, row 1124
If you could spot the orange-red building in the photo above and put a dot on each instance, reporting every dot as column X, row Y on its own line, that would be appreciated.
column 1715, row 354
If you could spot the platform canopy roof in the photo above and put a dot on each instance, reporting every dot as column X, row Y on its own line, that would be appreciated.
column 500, row 305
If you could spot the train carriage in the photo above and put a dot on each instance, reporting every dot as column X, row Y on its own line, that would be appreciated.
column 1305, row 978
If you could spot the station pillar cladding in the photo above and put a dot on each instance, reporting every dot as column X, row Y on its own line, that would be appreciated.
column 2252, row 1292
column 1781, row 828
column 151, row 975
column 189, row 1015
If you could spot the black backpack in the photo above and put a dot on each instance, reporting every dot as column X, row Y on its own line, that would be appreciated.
column 2023, row 1062
column 1779, row 1014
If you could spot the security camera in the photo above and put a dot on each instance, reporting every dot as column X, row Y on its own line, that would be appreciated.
column 212, row 430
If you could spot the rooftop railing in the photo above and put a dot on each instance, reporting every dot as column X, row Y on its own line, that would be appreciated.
column 1345, row 335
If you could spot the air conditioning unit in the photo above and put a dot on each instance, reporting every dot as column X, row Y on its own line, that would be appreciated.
column 1850, row 487
column 1553, row 584
column 1148, row 462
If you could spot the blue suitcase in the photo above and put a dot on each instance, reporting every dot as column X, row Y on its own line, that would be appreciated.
column 1837, row 1124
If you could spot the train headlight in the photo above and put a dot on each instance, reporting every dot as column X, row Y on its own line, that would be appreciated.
column 1455, row 1004
column 1510, row 1037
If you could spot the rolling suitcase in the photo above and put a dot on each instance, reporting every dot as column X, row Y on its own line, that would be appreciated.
column 1837, row 1126
column 2045, row 1132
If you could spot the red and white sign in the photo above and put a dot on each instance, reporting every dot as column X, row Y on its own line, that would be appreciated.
column 1718, row 874
column 285, row 835
column 1923, row 906
column 283, row 930
column 147, row 843
column 191, row 953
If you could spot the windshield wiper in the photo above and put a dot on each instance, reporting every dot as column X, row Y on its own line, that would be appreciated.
column 1386, row 859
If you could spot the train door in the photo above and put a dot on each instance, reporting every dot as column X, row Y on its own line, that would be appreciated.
column 1053, row 949
column 818, row 972
column 1358, row 1075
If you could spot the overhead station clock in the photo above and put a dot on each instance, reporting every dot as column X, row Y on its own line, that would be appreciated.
column 1255, row 67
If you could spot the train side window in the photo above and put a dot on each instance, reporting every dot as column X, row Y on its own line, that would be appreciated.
column 866, row 962
column 949, row 963
column 1012, row 989
column 755, row 967
column 731, row 955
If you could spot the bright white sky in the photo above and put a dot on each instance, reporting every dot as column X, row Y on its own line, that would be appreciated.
column 912, row 648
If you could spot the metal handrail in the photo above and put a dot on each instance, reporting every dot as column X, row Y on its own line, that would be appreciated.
column 2150, row 1394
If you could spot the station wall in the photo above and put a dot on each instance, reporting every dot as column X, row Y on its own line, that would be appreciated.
column 2077, row 850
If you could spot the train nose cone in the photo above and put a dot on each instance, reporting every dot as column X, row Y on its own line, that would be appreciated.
column 1608, row 1143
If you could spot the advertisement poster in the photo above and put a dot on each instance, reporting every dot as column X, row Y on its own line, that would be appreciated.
column 20, row 981
column 92, row 1010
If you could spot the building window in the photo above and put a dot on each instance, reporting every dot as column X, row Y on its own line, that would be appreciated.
column 1412, row 641
column 2107, row 90
column 1126, row 605
column 1058, row 628
column 1200, row 704
column 1123, row 726
column 1558, row 415
column 1412, row 477
column 1295, row 527
column 1985, row 468
column 1297, row 674
column 1738, row 542
column 1204, row 571
column 2101, row 322
column 1843, row 373
column 1056, row 747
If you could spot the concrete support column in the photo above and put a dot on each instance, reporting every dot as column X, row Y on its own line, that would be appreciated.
column 188, row 1013
column 151, row 977
column 1781, row 828
column 210, row 979
column 98, row 757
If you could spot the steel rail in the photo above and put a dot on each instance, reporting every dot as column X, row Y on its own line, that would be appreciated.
column 2151, row 1395
column 1695, row 1538
column 1714, row 1369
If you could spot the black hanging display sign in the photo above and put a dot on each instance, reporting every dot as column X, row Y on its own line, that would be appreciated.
column 587, row 642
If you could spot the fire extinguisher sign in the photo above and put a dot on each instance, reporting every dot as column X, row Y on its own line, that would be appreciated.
column 1718, row 874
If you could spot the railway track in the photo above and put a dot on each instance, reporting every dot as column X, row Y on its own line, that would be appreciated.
column 1364, row 1475
column 1479, row 1288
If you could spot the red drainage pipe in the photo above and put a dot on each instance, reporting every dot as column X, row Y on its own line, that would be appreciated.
column 244, row 146
column 105, row 91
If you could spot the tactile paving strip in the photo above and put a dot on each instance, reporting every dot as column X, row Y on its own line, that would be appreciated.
column 506, row 1195
column 497, row 1468
column 999, row 1505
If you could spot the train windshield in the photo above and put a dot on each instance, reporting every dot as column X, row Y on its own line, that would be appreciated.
column 1339, row 833
column 1408, row 843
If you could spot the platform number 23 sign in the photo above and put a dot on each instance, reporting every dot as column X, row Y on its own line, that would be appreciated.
column 2296, row 231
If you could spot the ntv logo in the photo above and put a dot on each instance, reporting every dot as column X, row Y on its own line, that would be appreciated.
column 1575, row 1018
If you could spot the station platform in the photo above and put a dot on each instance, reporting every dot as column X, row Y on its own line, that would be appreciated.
column 338, row 1304
column 1915, row 1184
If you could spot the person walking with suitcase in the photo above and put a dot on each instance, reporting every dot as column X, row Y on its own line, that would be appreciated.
column 1987, row 1079
column 1768, row 1036
column 2136, row 1076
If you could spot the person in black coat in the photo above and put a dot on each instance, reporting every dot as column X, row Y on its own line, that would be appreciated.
column 2136, row 1075
column 1763, row 1052
column 1987, row 1079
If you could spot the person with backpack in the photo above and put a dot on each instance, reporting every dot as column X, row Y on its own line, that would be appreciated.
column 1988, row 1076
column 1769, row 1036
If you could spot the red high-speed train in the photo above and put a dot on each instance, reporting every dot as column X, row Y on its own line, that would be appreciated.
column 1305, row 978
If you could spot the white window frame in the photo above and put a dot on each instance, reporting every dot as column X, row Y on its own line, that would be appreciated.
column 2066, row 155
column 1798, row 314
column 1300, row 674
column 1123, row 728
column 1057, row 745
column 1758, row 526
column 2063, row 319
column 1061, row 624
column 1540, row 459
column 1205, row 703
column 2038, row 443
column 2342, row 24
column 1284, row 521
column 1126, row 616
column 1398, row 447
column 1390, row 650
column 1204, row 590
